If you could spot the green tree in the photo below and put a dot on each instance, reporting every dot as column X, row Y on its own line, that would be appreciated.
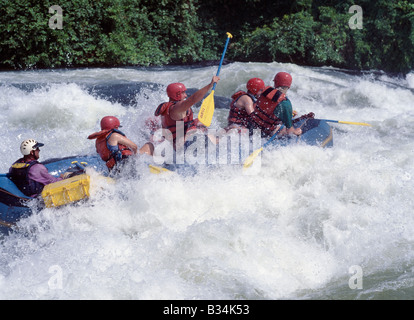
column 157, row 32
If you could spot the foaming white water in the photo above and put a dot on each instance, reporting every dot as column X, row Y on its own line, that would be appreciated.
column 59, row 115
column 293, row 230
column 410, row 80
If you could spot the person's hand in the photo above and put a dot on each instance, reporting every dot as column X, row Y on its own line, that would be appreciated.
column 65, row 175
column 215, row 79
column 298, row 131
column 295, row 131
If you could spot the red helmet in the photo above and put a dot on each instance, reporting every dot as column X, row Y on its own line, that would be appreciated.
column 175, row 91
column 254, row 85
column 110, row 122
column 283, row 79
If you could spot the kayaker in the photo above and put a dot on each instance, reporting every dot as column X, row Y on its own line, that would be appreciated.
column 273, row 108
column 111, row 144
column 242, row 104
column 29, row 175
column 178, row 108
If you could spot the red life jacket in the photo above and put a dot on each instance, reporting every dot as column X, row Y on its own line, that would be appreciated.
column 110, row 157
column 263, row 117
column 168, row 123
column 239, row 116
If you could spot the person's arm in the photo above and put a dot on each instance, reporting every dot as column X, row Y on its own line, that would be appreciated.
column 284, row 113
column 246, row 103
column 178, row 110
column 39, row 173
column 147, row 148
column 117, row 138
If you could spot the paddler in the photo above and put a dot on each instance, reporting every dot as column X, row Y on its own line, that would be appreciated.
column 242, row 104
column 28, row 174
column 178, row 108
column 111, row 144
column 273, row 108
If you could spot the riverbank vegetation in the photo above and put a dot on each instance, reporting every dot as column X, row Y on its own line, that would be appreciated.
column 159, row 32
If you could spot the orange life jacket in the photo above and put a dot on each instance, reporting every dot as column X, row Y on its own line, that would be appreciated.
column 263, row 116
column 236, row 115
column 168, row 123
column 111, row 157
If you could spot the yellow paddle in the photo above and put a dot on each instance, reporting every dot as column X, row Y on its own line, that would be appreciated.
column 157, row 170
column 249, row 161
column 207, row 107
column 348, row 122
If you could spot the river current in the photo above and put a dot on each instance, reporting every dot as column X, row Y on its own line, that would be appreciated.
column 313, row 223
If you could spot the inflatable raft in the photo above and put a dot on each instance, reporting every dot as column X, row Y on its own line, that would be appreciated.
column 315, row 132
column 15, row 205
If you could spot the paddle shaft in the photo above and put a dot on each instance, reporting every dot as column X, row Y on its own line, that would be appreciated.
column 222, row 58
column 270, row 140
column 273, row 137
column 248, row 162
column 205, row 115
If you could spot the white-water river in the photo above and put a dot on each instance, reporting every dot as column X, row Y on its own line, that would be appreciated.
column 313, row 223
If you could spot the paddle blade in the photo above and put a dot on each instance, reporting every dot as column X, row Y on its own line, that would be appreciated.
column 207, row 110
column 348, row 122
column 356, row 123
column 250, row 159
column 157, row 170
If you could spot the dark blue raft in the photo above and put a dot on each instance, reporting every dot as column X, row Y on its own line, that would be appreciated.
column 14, row 205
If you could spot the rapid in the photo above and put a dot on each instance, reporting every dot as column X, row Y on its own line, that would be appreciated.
column 312, row 223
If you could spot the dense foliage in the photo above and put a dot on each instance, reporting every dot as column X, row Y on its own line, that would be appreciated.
column 159, row 32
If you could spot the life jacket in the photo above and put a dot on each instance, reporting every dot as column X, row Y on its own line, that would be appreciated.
column 168, row 123
column 263, row 116
column 236, row 115
column 108, row 153
column 19, row 174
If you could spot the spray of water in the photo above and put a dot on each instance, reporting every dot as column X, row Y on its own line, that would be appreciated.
column 293, row 230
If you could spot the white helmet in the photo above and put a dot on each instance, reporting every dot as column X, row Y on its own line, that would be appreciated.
column 29, row 145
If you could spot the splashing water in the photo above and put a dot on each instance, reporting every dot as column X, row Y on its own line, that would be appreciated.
column 293, row 230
